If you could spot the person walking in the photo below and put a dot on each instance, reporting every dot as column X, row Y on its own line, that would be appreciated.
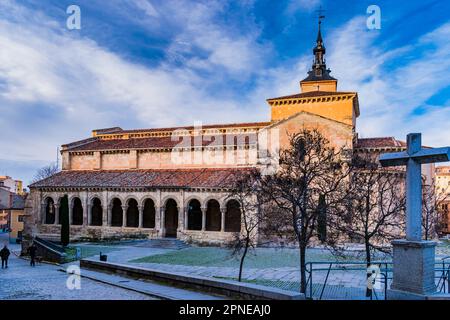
column 4, row 255
column 32, row 250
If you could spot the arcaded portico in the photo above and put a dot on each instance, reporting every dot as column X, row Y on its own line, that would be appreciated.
column 191, row 214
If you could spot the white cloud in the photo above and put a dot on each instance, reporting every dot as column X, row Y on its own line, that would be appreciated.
column 55, row 87
column 65, row 86
column 307, row 5
column 147, row 7
column 220, row 45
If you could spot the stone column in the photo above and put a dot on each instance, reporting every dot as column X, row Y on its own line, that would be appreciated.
column 157, row 219
column 141, row 216
column 203, row 218
column 186, row 222
column 86, row 211
column 124, row 216
column 104, row 215
column 109, row 208
column 162, row 227
column 43, row 213
column 180, row 226
column 89, row 214
column 56, row 205
column 70, row 214
column 223, row 211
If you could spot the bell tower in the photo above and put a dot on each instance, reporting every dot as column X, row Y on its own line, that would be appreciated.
column 319, row 78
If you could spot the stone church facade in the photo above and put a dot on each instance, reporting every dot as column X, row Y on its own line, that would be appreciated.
column 175, row 182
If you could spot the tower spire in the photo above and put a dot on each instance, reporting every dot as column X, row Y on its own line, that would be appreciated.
column 319, row 50
column 319, row 71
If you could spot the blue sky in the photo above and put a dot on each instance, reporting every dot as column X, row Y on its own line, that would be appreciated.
column 147, row 63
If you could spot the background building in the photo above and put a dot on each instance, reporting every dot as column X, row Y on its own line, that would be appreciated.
column 15, row 186
column 443, row 195
column 11, row 213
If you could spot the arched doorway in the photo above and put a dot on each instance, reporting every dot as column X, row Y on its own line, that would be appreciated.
column 132, row 214
column 194, row 215
column 116, row 213
column 213, row 216
column 233, row 217
column 171, row 218
column 50, row 211
column 148, row 219
column 77, row 212
column 96, row 212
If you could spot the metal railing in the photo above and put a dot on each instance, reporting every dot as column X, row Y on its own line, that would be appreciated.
column 49, row 244
column 443, row 284
column 320, row 273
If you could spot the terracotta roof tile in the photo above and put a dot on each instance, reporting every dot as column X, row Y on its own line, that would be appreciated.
column 382, row 142
column 161, row 142
column 210, row 126
column 170, row 178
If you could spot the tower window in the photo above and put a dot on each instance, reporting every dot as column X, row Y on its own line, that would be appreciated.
column 318, row 72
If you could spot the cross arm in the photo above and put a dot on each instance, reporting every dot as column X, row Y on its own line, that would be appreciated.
column 394, row 159
column 422, row 156
column 432, row 155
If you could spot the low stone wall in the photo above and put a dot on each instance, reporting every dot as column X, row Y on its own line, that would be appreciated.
column 209, row 238
column 101, row 233
column 232, row 289
column 96, row 233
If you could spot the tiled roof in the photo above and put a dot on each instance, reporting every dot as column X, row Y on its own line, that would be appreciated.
column 311, row 94
column 108, row 130
column 18, row 202
column 163, row 142
column 170, row 178
column 14, row 201
column 383, row 142
column 209, row 126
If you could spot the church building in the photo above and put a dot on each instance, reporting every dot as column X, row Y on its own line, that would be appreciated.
column 175, row 182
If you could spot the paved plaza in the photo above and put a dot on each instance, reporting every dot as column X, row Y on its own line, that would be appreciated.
column 344, row 281
column 213, row 262
column 47, row 282
column 271, row 267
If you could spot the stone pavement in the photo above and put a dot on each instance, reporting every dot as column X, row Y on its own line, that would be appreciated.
column 148, row 287
column 46, row 282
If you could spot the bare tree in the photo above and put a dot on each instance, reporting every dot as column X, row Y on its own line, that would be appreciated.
column 45, row 172
column 432, row 200
column 246, row 193
column 374, row 208
column 309, row 170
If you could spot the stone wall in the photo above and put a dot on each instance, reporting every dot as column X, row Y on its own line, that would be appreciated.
column 157, row 159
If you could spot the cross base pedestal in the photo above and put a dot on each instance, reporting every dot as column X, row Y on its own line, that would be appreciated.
column 413, row 274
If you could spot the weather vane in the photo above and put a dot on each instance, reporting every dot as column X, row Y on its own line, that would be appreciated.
column 320, row 15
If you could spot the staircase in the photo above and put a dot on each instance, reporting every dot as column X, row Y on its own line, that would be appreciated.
column 164, row 243
column 49, row 251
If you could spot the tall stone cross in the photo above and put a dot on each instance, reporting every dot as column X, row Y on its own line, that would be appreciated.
column 413, row 158
column 413, row 263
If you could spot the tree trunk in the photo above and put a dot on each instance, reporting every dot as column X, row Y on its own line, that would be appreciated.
column 302, row 247
column 241, row 264
column 368, row 261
